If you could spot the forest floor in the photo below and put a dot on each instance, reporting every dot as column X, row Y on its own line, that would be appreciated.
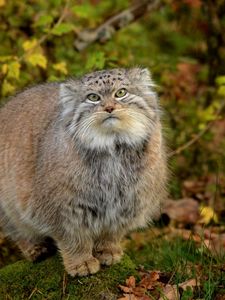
column 181, row 257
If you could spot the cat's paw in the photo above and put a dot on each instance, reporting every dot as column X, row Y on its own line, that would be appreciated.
column 109, row 256
column 87, row 267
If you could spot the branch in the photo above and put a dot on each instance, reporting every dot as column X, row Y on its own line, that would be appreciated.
column 105, row 31
column 198, row 136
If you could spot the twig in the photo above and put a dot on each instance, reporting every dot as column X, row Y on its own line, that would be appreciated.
column 105, row 31
column 64, row 283
column 32, row 293
column 198, row 136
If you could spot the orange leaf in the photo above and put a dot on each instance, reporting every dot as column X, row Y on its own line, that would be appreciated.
column 125, row 289
column 139, row 291
column 149, row 280
column 130, row 282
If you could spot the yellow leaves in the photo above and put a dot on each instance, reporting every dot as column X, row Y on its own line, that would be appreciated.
column 29, row 45
column 14, row 70
column 37, row 59
column 11, row 71
column 208, row 214
column 2, row 3
column 61, row 67
column 220, row 81
column 4, row 69
column 33, row 54
column 7, row 88
column 221, row 91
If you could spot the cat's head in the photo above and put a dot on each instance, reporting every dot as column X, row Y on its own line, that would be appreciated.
column 110, row 106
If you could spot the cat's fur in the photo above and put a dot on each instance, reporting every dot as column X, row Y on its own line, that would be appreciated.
column 70, row 173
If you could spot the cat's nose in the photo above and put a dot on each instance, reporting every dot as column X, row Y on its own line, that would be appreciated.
column 109, row 108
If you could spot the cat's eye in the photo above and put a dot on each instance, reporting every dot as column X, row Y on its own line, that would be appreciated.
column 93, row 97
column 121, row 93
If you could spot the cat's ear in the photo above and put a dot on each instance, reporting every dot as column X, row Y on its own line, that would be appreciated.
column 142, row 76
column 67, row 91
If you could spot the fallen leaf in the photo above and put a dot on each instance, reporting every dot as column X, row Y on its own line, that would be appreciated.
column 207, row 215
column 139, row 291
column 169, row 292
column 131, row 282
column 189, row 283
column 148, row 281
column 125, row 289
column 128, row 297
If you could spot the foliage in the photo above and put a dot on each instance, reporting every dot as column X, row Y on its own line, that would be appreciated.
column 36, row 44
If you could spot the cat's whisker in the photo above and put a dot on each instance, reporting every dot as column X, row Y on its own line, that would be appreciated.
column 83, row 127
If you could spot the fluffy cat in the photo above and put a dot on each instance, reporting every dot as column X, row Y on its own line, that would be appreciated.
column 81, row 162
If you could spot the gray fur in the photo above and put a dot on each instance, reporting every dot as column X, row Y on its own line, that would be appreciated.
column 71, row 173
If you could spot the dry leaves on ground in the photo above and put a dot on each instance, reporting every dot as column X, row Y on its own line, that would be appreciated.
column 153, row 284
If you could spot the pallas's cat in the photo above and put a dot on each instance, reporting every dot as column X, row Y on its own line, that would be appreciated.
column 82, row 162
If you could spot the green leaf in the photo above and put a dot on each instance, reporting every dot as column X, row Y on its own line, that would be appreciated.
column 44, row 20
column 62, row 28
column 96, row 61
column 84, row 11
column 6, row 58
column 220, row 80
column 221, row 90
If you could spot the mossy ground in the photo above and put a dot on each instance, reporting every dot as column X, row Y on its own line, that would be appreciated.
column 48, row 280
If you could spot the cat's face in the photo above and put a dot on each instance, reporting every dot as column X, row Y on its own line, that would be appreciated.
column 110, row 106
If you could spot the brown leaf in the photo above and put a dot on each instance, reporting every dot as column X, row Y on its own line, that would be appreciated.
column 187, row 235
column 125, row 289
column 148, row 281
column 170, row 293
column 216, row 243
column 189, row 283
column 131, row 282
column 139, row 291
column 128, row 297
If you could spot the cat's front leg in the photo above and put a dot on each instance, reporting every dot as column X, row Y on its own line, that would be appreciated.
column 77, row 255
column 107, row 249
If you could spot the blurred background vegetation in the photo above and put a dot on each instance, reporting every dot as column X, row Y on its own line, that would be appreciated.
column 182, row 42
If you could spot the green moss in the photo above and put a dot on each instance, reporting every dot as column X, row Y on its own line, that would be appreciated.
column 47, row 280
